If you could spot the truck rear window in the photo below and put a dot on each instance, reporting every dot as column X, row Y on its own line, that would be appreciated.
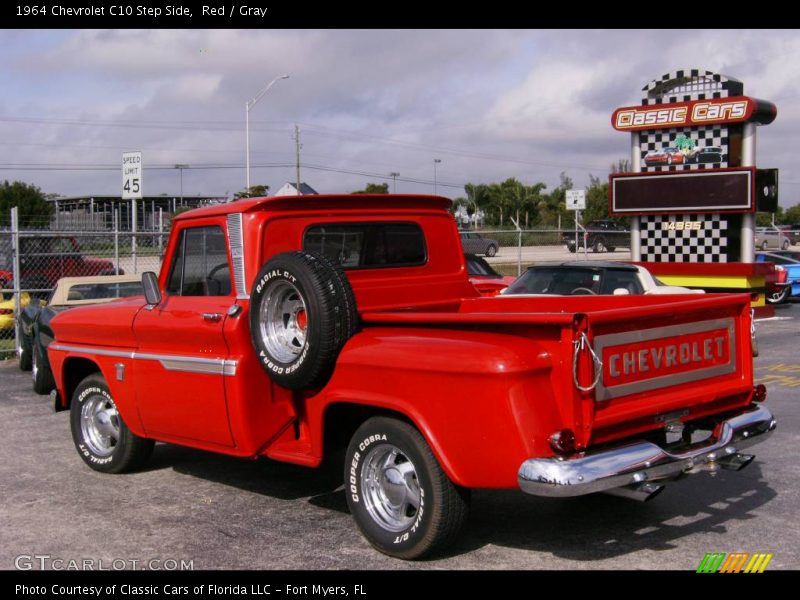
column 368, row 245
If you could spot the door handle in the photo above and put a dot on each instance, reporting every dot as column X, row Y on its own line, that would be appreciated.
column 212, row 317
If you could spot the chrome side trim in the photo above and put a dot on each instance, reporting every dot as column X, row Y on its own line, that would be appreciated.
column 184, row 364
column 601, row 342
column 98, row 351
column 236, row 240
column 641, row 462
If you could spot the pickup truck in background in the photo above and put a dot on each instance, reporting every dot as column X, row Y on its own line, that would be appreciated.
column 601, row 236
column 298, row 328
column 46, row 259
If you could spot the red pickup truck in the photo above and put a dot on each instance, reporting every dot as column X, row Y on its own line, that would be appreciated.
column 295, row 327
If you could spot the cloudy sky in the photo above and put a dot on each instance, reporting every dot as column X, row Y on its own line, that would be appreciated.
column 490, row 104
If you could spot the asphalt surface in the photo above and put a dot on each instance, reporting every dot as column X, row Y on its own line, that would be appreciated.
column 225, row 513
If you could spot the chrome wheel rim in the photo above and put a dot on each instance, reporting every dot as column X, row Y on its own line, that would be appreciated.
column 100, row 424
column 390, row 488
column 283, row 322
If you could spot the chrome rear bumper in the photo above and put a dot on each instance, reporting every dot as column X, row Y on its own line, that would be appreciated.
column 633, row 465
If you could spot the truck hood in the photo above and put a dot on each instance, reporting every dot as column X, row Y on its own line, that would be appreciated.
column 108, row 324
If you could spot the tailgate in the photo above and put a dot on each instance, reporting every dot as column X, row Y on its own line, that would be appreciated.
column 656, row 365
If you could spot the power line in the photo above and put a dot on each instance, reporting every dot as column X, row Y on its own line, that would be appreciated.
column 200, row 167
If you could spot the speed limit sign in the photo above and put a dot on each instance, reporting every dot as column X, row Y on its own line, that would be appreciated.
column 131, row 175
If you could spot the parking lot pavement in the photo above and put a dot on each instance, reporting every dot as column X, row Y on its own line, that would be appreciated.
column 221, row 512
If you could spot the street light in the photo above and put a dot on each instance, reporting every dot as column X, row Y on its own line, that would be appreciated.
column 436, row 161
column 248, row 105
column 181, row 167
column 394, row 175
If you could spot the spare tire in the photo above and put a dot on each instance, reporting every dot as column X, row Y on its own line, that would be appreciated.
column 302, row 311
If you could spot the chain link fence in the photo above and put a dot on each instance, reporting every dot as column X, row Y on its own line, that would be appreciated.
column 33, row 258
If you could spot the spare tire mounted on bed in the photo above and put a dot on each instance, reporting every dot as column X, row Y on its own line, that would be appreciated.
column 302, row 311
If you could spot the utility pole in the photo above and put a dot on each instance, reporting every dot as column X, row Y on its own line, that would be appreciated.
column 297, row 146
column 436, row 161
column 394, row 175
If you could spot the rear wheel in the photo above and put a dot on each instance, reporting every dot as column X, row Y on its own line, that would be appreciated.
column 764, row 245
column 491, row 250
column 101, row 437
column 785, row 245
column 599, row 246
column 400, row 498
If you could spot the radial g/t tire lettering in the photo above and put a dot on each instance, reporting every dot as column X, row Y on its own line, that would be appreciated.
column 400, row 498
column 302, row 311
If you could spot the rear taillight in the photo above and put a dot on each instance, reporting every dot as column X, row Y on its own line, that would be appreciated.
column 6, row 311
column 759, row 392
column 783, row 274
column 563, row 441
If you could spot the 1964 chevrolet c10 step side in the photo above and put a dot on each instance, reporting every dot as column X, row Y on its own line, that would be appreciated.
column 293, row 327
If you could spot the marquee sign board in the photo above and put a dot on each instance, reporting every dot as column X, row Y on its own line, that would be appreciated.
column 711, row 191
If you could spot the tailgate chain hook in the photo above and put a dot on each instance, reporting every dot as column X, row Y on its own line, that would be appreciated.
column 580, row 344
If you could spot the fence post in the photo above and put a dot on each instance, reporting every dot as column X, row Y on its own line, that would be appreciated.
column 116, row 239
column 519, row 246
column 160, row 229
column 16, row 273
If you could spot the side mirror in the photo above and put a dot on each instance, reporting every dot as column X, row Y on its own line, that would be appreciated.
column 152, row 293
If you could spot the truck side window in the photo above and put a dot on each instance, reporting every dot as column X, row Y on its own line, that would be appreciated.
column 200, row 266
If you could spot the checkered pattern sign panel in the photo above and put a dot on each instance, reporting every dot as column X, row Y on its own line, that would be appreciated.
column 692, row 238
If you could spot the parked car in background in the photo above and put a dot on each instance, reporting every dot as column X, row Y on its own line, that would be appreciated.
column 35, row 331
column 783, row 287
column 601, row 236
column 590, row 278
column 7, row 311
column 45, row 260
column 485, row 279
column 769, row 237
column 792, row 232
column 475, row 243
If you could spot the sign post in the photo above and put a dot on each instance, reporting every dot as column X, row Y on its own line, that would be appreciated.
column 576, row 200
column 132, row 190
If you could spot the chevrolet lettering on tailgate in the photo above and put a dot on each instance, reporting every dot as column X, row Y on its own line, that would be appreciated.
column 638, row 361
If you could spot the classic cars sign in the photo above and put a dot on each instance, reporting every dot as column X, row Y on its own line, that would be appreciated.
column 698, row 112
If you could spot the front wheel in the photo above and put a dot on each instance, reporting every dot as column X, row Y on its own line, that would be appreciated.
column 103, row 440
column 400, row 498
column 764, row 245
column 785, row 245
